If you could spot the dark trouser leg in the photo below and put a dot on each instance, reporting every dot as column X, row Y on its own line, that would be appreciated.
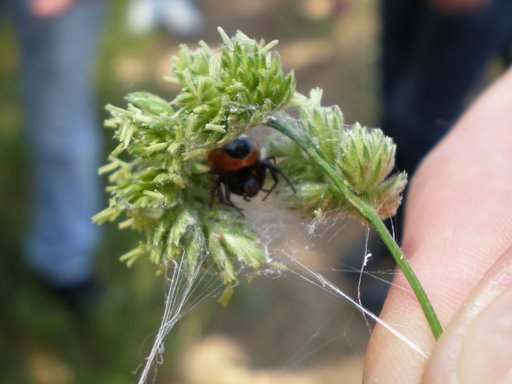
column 64, row 134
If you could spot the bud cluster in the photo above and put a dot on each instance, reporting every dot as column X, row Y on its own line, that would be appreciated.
column 362, row 157
column 157, row 174
column 158, row 178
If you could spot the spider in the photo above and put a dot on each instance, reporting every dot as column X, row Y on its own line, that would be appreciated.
column 240, row 170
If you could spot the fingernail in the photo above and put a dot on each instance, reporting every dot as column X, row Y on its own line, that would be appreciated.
column 485, row 351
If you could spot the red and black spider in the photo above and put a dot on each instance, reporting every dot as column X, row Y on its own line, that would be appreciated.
column 240, row 170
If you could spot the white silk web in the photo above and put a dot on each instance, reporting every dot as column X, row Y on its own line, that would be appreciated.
column 186, row 291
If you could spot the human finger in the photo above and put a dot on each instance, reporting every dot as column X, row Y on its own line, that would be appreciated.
column 458, row 222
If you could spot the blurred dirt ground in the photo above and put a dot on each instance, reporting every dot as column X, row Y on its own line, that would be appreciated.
column 275, row 330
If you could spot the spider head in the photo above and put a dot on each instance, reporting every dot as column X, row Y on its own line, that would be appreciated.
column 251, row 186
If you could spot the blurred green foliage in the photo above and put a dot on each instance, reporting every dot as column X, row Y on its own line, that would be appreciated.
column 40, row 340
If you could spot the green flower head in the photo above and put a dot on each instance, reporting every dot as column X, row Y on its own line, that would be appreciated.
column 363, row 159
column 158, row 177
column 157, row 174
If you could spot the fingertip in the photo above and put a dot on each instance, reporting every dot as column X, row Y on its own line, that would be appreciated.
column 474, row 349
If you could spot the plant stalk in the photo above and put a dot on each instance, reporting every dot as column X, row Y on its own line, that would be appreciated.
column 371, row 216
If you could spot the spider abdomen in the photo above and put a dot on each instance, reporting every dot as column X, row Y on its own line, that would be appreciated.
column 240, row 153
column 240, row 171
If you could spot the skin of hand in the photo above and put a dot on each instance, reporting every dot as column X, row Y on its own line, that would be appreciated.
column 458, row 237
column 49, row 8
column 454, row 6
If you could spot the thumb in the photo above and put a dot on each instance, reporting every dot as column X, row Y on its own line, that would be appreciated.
column 476, row 346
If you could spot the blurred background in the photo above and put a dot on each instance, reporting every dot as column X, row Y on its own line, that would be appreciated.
column 274, row 330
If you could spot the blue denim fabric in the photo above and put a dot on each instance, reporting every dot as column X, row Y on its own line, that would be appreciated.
column 63, row 131
column 431, row 61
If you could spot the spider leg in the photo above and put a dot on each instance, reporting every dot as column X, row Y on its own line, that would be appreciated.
column 224, row 196
column 279, row 172
column 270, row 160
column 274, row 177
column 274, row 172
column 227, row 194
column 226, row 199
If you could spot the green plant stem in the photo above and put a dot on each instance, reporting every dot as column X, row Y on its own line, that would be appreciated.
column 370, row 215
